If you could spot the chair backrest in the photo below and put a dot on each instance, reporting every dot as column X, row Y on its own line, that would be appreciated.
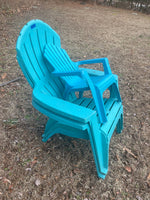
column 58, row 58
column 30, row 44
column 61, row 62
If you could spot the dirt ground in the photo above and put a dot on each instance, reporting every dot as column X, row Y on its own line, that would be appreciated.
column 63, row 168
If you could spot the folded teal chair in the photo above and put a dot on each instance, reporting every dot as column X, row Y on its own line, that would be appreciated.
column 68, row 114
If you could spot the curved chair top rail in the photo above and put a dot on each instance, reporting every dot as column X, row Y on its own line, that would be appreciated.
column 30, row 44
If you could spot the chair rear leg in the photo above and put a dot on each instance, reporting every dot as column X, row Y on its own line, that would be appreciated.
column 81, row 94
column 114, row 91
column 120, row 124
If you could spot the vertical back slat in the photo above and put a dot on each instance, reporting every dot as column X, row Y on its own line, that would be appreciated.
column 37, row 52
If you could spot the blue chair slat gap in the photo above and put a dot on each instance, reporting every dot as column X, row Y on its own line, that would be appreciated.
column 55, row 78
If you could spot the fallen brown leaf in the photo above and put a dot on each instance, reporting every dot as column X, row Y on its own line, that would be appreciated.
column 37, row 182
column 18, row 10
column 7, row 180
column 2, row 90
column 33, row 163
column 148, row 177
column 28, row 169
column 117, row 156
column 128, row 169
column 4, row 75
column 10, row 188
column 44, row 176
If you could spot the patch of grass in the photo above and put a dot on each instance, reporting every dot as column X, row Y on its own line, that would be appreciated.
column 28, row 116
column 25, row 162
column 11, row 121
column 121, row 75
column 12, row 51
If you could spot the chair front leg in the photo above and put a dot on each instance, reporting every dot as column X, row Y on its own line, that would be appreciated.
column 49, row 130
column 100, row 147
column 100, row 107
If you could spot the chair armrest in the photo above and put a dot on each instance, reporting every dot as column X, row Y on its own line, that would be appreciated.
column 68, row 73
column 60, row 108
column 93, row 72
column 104, row 61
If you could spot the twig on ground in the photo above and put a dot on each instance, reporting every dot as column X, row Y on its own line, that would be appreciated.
column 6, row 83
column 129, row 151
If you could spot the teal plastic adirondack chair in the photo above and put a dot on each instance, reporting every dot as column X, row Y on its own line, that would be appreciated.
column 77, row 79
column 75, row 117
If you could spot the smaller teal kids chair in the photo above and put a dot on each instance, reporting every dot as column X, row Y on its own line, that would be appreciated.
column 77, row 79
column 54, row 79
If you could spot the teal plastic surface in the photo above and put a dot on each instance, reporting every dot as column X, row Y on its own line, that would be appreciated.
column 56, row 79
